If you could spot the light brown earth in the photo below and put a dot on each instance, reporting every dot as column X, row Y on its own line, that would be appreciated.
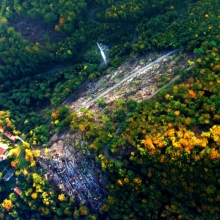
column 139, row 87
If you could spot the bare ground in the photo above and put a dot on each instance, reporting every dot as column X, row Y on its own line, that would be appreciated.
column 139, row 87
column 35, row 30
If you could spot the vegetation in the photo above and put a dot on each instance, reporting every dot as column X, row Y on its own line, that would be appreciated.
column 173, row 142
column 37, row 199
column 161, row 156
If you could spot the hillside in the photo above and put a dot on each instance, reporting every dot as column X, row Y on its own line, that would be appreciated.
column 136, row 138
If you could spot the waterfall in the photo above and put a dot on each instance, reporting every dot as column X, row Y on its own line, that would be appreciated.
column 102, row 53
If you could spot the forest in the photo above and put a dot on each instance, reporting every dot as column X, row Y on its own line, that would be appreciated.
column 163, row 156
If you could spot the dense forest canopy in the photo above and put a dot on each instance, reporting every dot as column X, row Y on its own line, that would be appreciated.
column 164, row 152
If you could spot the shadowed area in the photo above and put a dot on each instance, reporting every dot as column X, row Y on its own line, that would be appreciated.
column 37, row 30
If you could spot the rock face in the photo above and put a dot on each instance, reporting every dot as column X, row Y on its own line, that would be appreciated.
column 75, row 174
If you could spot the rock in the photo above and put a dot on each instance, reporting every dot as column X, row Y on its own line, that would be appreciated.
column 53, row 139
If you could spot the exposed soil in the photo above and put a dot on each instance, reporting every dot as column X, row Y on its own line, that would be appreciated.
column 197, row 131
column 35, row 30
column 73, row 175
column 139, row 87
column 73, row 171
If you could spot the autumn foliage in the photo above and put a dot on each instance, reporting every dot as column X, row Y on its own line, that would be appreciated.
column 7, row 204
column 174, row 144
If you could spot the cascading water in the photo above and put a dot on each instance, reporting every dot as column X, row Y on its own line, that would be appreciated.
column 102, row 53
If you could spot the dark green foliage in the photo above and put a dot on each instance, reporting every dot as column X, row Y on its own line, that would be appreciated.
column 164, row 159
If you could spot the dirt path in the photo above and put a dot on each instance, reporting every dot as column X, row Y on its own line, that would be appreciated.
column 126, row 78
column 92, row 17
column 55, row 68
column 106, row 148
column 94, row 10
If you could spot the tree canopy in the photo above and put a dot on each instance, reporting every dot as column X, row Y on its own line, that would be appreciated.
column 160, row 156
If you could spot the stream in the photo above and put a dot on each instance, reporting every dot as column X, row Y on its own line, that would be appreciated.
column 92, row 17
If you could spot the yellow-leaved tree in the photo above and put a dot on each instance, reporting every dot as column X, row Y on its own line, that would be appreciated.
column 7, row 204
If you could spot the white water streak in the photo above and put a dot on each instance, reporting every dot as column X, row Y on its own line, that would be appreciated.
column 102, row 53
